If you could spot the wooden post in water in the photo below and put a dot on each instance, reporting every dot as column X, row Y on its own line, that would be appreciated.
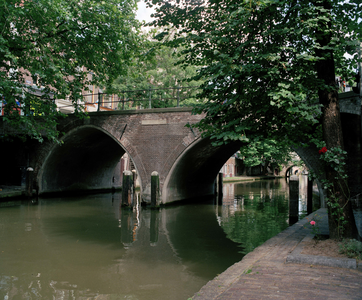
column 310, row 196
column 220, row 193
column 29, row 182
column 293, row 199
column 127, row 189
column 155, row 188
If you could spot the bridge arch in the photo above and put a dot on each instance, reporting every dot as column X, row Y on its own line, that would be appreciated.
column 80, row 163
column 193, row 173
column 155, row 139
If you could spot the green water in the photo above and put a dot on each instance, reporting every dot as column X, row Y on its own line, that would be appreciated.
column 90, row 248
column 256, row 211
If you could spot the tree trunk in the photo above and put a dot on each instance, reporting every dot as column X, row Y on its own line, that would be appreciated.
column 332, row 134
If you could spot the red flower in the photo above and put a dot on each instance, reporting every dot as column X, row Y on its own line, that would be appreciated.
column 323, row 150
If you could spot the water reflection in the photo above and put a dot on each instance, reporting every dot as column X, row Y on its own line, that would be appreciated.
column 253, row 212
column 91, row 248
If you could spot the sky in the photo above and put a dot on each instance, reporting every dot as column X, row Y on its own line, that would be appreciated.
column 143, row 13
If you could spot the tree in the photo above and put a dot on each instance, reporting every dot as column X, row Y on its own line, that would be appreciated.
column 269, row 152
column 158, row 74
column 66, row 45
column 269, row 68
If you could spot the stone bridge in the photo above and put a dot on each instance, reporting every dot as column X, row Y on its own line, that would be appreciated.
column 156, row 140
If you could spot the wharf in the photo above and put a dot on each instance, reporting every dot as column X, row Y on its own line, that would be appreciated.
column 238, row 179
column 12, row 192
column 278, row 270
column 249, row 178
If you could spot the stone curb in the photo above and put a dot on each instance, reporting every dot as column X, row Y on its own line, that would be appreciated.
column 296, row 257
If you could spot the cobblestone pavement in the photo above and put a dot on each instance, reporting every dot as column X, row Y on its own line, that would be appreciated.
column 264, row 274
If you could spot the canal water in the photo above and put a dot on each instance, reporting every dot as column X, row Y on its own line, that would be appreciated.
column 90, row 248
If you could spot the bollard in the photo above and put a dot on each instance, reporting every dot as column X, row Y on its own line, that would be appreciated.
column 293, row 201
column 155, row 188
column 220, row 193
column 127, row 189
column 29, row 182
column 310, row 197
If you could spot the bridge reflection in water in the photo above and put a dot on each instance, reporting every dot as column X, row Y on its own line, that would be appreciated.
column 91, row 248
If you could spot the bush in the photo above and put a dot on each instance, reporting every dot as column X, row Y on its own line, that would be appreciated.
column 352, row 248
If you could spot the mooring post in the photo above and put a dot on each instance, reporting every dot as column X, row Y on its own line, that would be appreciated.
column 155, row 188
column 29, row 182
column 220, row 193
column 127, row 189
column 310, row 196
column 293, row 199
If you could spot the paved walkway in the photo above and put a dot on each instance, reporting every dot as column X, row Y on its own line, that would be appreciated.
column 266, row 274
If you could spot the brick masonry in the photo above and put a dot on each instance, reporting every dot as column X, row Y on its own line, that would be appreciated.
column 153, row 138
column 156, row 140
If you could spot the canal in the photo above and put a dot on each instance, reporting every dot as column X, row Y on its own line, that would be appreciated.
column 89, row 248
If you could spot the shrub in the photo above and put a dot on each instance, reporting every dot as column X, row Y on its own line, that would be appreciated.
column 352, row 248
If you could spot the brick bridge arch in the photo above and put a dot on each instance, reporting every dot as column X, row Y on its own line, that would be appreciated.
column 91, row 148
column 155, row 139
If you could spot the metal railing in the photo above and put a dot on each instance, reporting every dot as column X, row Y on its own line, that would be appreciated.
column 137, row 99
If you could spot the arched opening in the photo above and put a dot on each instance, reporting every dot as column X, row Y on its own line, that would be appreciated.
column 194, row 172
column 87, row 160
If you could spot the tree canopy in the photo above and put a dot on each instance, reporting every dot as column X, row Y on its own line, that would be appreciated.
column 267, row 152
column 65, row 45
column 157, row 74
column 269, row 67
column 258, row 59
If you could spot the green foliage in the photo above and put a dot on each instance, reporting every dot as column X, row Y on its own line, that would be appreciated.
column 258, row 61
column 352, row 248
column 53, row 40
column 260, row 151
column 156, row 75
column 268, row 66
column 334, row 159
